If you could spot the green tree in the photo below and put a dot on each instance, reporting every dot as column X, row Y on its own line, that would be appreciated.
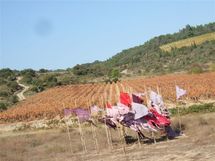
column 3, row 106
column 195, row 69
column 114, row 75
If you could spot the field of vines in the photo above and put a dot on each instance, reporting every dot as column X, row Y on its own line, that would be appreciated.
column 50, row 103
column 189, row 41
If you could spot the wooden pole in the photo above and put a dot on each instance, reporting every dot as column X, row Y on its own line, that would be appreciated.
column 149, row 105
column 153, row 135
column 179, row 117
column 110, row 100
column 81, row 133
column 106, row 128
column 178, row 111
column 93, row 132
column 68, row 132
column 139, row 143
column 121, row 130
column 147, row 99
column 159, row 92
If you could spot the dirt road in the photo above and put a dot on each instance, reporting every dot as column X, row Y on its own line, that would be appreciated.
column 20, row 95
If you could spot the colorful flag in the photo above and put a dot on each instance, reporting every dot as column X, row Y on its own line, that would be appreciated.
column 113, row 112
column 139, row 110
column 180, row 92
column 139, row 94
column 68, row 112
column 82, row 114
column 95, row 109
column 123, row 109
column 108, row 105
column 125, row 99
column 156, row 98
column 137, row 99
column 110, row 123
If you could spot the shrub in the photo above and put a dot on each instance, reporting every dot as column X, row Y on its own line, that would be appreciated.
column 13, row 99
column 195, row 69
column 3, row 106
column 212, row 67
column 4, row 94
column 208, row 107
column 43, row 70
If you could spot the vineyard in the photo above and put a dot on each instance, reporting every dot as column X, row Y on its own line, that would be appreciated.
column 50, row 103
column 189, row 41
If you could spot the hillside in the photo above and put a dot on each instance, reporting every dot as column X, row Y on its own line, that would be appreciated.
column 147, row 59
column 50, row 103
column 8, row 88
column 196, row 40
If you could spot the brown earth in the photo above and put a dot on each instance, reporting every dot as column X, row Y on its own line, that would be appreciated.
column 54, row 145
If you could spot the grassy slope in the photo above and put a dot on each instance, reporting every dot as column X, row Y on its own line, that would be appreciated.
column 189, row 41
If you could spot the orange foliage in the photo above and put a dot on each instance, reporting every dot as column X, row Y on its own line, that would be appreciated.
column 51, row 103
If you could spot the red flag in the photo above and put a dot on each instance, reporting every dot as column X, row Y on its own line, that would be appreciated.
column 125, row 99
column 108, row 105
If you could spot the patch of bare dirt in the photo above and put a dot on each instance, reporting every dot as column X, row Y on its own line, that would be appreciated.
column 198, row 143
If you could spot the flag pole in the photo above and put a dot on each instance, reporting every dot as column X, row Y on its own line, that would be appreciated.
column 149, row 105
column 120, row 131
column 68, row 133
column 139, row 143
column 147, row 99
column 106, row 128
column 158, row 89
column 109, row 131
column 159, row 92
column 93, row 131
column 123, row 128
column 178, row 111
column 81, row 132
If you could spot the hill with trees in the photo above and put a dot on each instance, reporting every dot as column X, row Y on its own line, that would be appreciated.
column 143, row 60
column 149, row 59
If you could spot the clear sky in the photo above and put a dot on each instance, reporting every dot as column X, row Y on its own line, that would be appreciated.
column 56, row 34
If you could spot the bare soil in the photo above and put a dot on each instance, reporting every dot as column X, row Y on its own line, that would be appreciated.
column 198, row 143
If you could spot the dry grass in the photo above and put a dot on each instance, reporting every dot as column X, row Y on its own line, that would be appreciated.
column 189, row 41
column 54, row 145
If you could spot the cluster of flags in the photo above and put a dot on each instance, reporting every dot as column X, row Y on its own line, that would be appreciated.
column 131, row 112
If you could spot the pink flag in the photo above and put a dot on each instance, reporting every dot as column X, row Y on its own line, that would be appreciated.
column 95, row 109
column 123, row 109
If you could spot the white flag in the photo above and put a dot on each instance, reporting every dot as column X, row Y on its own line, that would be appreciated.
column 139, row 110
column 180, row 92
column 113, row 111
column 156, row 98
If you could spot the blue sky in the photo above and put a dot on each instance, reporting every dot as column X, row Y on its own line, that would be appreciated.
column 56, row 34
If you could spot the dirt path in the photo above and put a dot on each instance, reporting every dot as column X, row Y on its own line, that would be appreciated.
column 20, row 95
